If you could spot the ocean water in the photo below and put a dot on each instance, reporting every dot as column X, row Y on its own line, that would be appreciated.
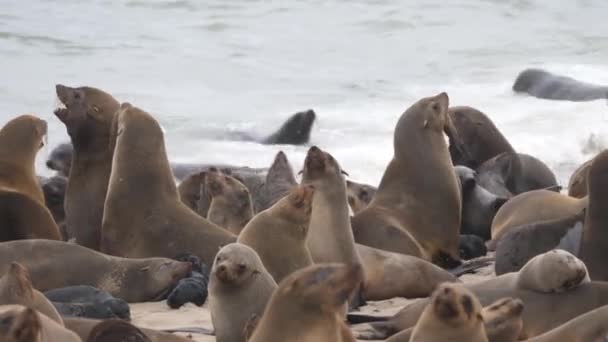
column 219, row 65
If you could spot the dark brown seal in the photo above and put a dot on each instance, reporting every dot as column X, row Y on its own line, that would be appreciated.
column 143, row 215
column 88, row 116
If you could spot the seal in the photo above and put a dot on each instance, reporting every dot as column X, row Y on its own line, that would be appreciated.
column 87, row 116
column 481, row 138
column 509, row 174
column 577, row 185
column 60, row 159
column 239, row 289
column 533, row 207
column 309, row 304
column 479, row 206
column 116, row 330
column 16, row 288
column 278, row 234
column 189, row 290
column 538, row 296
column 471, row 247
column 545, row 85
column 23, row 214
column 230, row 206
column 518, row 246
column 83, row 327
column 97, row 301
column 454, row 314
column 590, row 326
column 133, row 280
column 54, row 189
column 279, row 180
column 87, row 310
column 329, row 239
column 594, row 241
column 359, row 195
column 190, row 190
column 143, row 216
column 410, row 197
column 295, row 131
column 23, row 324
column 502, row 322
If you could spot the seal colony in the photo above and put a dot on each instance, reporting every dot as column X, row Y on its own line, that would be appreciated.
column 279, row 258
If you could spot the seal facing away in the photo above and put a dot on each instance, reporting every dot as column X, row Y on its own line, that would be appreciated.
column 545, row 85
column 143, row 215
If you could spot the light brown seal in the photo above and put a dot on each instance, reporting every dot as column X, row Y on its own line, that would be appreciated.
column 16, row 288
column 590, row 326
column 278, row 234
column 453, row 314
column 143, row 216
column 359, row 195
column 577, row 185
column 569, row 288
column 22, row 324
column 23, row 214
column 231, row 206
column 307, row 305
column 87, row 116
column 419, row 192
column 83, row 327
column 239, row 289
column 133, row 280
column 279, row 180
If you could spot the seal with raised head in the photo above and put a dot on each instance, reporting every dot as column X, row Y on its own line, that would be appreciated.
column 295, row 131
column 87, row 116
column 419, row 192
column 239, row 289
column 278, row 234
column 16, row 288
column 308, row 304
column 481, row 138
column 279, row 180
column 23, row 214
column 190, row 190
column 23, row 324
column 359, row 195
column 568, row 287
column 453, row 314
column 545, row 85
column 134, row 280
column 231, row 206
column 143, row 216
column 60, row 159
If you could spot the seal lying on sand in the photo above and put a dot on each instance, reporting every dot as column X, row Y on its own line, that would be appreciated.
column 143, row 215
column 89, row 301
column 22, row 324
column 84, row 327
column 308, row 304
column 545, row 85
column 134, row 280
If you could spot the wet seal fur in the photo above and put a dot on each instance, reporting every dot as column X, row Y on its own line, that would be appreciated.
column 295, row 131
column 278, row 234
column 143, row 215
column 308, row 305
column 60, row 159
column 545, row 85
column 422, row 231
column 134, row 280
column 23, row 214
column 239, row 288
column 88, row 116
column 22, row 324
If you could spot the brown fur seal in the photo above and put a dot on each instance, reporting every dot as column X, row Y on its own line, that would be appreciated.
column 307, row 305
column 240, row 288
column 453, row 314
column 483, row 140
column 278, row 234
column 419, row 192
column 16, row 288
column 83, row 327
column 359, row 195
column 23, row 214
column 532, row 207
column 230, row 206
column 115, row 330
column 329, row 239
column 590, row 326
column 279, row 180
column 87, row 116
column 60, row 159
column 143, row 215
column 594, row 243
column 134, row 280
column 54, row 196
column 190, row 192
column 567, row 288
column 22, row 324
column 577, row 185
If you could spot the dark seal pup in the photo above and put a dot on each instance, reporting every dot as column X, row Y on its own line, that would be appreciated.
column 545, row 85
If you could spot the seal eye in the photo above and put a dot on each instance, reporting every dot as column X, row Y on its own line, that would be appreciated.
column 436, row 106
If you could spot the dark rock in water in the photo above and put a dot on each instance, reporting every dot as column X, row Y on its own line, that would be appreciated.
column 189, row 290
